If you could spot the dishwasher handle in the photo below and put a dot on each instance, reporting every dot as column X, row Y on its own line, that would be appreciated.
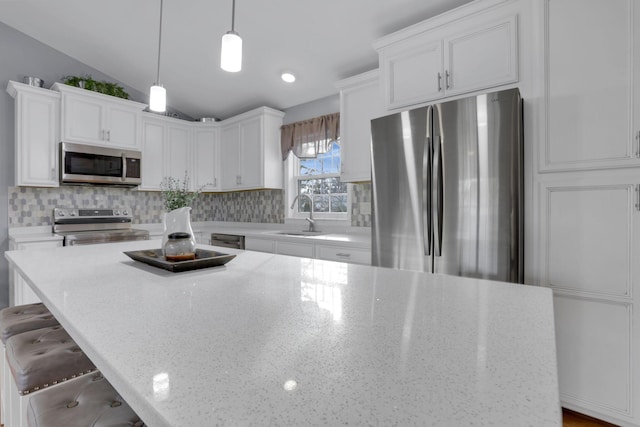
column 227, row 240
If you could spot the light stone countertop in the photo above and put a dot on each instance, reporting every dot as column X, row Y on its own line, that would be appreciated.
column 277, row 340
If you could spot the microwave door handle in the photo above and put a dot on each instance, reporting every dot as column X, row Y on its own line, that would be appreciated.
column 427, row 182
column 124, row 167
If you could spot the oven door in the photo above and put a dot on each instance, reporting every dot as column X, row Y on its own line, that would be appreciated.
column 88, row 164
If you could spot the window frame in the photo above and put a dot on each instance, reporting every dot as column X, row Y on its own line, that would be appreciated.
column 292, row 166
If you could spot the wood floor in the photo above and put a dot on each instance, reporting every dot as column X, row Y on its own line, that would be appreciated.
column 574, row 419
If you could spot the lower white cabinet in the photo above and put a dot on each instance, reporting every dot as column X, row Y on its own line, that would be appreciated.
column 19, row 291
column 37, row 135
column 343, row 254
column 260, row 245
column 304, row 250
column 589, row 249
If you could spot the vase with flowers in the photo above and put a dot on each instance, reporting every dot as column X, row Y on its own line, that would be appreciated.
column 177, row 198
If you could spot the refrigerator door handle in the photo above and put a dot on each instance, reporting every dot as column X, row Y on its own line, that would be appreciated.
column 439, row 197
column 427, row 183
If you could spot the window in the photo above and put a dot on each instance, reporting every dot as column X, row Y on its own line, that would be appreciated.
column 319, row 179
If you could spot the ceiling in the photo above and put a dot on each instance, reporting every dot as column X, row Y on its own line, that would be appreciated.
column 320, row 41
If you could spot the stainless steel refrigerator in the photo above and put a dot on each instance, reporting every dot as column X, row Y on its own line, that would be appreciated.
column 448, row 188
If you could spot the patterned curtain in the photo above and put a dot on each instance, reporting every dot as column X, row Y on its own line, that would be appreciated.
column 309, row 138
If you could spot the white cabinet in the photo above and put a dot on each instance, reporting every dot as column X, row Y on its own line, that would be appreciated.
column 589, row 255
column 19, row 291
column 593, row 108
column 250, row 149
column 343, row 254
column 259, row 244
column 360, row 101
column 178, row 161
column 299, row 249
column 37, row 134
column 207, row 157
column 433, row 60
column 153, row 130
column 94, row 118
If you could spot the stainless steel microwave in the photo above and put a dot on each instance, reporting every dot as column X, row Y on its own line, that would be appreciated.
column 90, row 164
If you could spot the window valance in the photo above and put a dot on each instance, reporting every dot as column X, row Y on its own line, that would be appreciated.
column 309, row 138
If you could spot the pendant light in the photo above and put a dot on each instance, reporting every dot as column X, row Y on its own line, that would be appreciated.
column 158, row 94
column 231, row 52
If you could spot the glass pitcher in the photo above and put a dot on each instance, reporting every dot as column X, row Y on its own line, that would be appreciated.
column 177, row 221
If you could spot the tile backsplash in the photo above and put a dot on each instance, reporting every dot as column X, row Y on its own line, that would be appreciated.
column 33, row 206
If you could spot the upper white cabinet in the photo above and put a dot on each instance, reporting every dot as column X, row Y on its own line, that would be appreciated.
column 94, row 118
column 360, row 101
column 207, row 157
column 437, row 59
column 37, row 134
column 250, row 149
column 179, row 152
column 153, row 137
column 593, row 85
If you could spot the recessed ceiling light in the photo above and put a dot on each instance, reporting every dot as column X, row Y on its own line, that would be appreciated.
column 288, row 77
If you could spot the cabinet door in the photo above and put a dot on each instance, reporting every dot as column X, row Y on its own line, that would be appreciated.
column 342, row 254
column 152, row 155
column 260, row 245
column 19, row 290
column 359, row 103
column 304, row 250
column 178, row 153
column 207, row 157
column 482, row 58
column 37, row 138
column 122, row 130
column 230, row 157
column 251, row 153
column 589, row 249
column 412, row 72
column 590, row 109
column 83, row 119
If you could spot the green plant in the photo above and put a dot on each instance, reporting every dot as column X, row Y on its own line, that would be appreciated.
column 88, row 83
column 176, row 194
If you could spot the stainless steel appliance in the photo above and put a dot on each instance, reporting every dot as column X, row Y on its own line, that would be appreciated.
column 227, row 240
column 448, row 188
column 90, row 164
column 92, row 226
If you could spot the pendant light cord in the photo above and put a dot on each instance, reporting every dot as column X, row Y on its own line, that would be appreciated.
column 160, row 44
column 233, row 16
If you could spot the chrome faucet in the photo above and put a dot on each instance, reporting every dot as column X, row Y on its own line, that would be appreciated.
column 310, row 220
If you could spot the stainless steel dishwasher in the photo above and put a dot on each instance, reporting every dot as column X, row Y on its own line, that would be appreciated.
column 227, row 240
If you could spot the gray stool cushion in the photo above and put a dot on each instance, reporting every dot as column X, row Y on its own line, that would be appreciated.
column 88, row 401
column 45, row 357
column 23, row 318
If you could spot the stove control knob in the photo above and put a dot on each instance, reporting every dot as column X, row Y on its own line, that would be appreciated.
column 72, row 213
column 125, row 212
column 116, row 212
column 61, row 213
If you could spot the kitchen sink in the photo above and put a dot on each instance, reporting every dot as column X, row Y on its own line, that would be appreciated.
column 301, row 233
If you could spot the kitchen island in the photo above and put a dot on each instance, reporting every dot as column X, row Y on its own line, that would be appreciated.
column 278, row 340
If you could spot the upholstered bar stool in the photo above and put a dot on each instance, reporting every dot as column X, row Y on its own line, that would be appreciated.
column 38, row 360
column 16, row 320
column 86, row 401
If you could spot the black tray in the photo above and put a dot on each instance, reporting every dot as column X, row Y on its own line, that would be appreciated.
column 204, row 259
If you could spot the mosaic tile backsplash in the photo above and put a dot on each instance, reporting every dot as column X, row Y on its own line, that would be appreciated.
column 33, row 206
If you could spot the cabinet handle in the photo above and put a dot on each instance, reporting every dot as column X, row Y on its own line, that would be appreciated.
column 343, row 255
column 439, row 82
column 638, row 144
column 215, row 182
column 637, row 188
column 446, row 78
column 238, row 179
column 108, row 135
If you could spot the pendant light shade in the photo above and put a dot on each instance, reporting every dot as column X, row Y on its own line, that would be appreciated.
column 231, row 50
column 157, row 93
column 158, row 98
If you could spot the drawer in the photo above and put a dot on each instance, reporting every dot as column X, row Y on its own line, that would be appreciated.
column 340, row 253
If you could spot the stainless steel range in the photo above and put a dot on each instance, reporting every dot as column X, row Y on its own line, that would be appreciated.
column 91, row 226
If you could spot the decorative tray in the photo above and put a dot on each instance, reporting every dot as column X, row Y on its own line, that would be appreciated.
column 204, row 259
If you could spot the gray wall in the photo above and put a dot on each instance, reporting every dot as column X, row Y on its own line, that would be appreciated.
column 309, row 110
column 21, row 56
